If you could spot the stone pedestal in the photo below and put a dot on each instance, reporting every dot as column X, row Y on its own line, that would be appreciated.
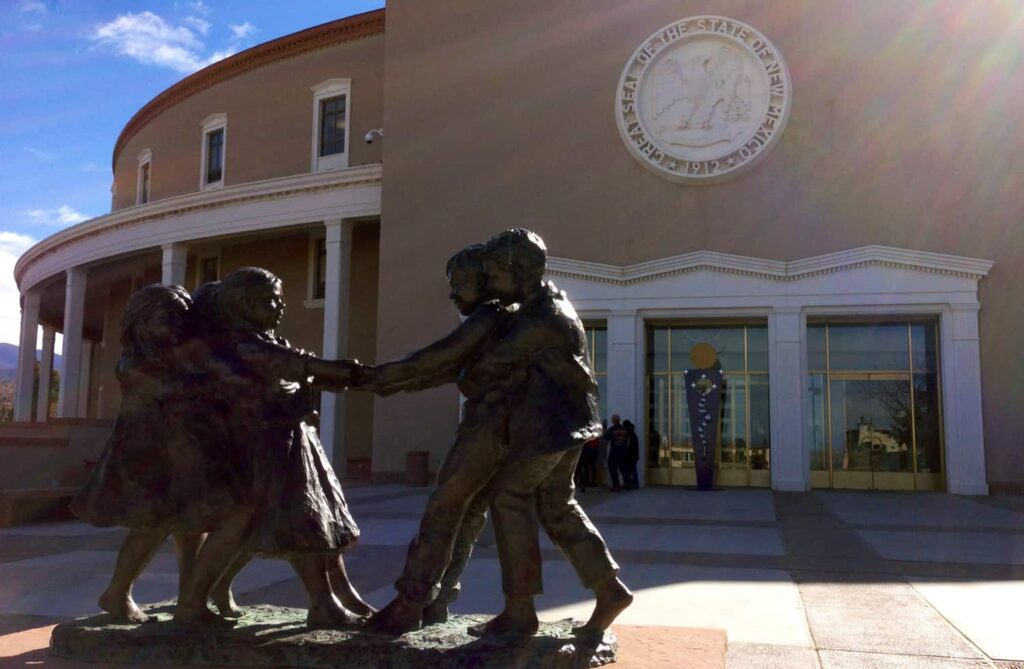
column 268, row 636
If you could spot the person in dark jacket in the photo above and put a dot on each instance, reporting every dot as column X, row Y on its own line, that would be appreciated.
column 617, row 437
column 630, row 479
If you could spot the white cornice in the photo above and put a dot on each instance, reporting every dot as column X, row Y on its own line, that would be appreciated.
column 207, row 200
column 772, row 269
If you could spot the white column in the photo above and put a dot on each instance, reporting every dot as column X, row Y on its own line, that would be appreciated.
column 622, row 375
column 45, row 372
column 961, row 369
column 175, row 257
column 84, row 379
column 27, row 355
column 787, row 378
column 71, row 365
column 336, row 317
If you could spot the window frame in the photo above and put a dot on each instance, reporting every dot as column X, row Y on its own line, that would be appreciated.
column 325, row 90
column 214, row 255
column 210, row 125
column 144, row 176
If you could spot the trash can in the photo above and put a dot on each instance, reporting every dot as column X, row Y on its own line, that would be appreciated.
column 417, row 468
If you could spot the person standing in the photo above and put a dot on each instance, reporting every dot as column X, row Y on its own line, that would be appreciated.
column 617, row 437
column 630, row 479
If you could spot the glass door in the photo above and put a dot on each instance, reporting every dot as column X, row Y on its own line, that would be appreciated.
column 871, row 435
column 875, row 406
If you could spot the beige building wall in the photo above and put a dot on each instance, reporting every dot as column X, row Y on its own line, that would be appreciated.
column 269, row 127
column 899, row 135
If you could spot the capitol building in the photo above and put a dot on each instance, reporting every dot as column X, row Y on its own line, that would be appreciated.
column 828, row 193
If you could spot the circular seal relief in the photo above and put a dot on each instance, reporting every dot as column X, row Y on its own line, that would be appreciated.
column 703, row 99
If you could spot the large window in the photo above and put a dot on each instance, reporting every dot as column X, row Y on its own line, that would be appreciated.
column 214, row 156
column 332, row 126
column 332, row 104
column 875, row 405
column 213, row 164
column 744, row 452
column 142, row 185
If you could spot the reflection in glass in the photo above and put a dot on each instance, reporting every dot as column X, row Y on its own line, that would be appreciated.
column 924, row 344
column 876, row 346
column 733, row 450
column 597, row 350
column 759, row 444
column 926, row 423
column 658, row 423
column 657, row 351
column 757, row 348
column 865, row 420
column 816, row 347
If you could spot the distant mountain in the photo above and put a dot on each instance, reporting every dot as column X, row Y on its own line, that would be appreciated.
column 9, row 360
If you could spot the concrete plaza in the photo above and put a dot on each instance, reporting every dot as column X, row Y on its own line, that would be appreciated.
column 825, row 579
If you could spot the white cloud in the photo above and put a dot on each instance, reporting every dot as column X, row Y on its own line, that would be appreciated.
column 62, row 215
column 90, row 167
column 197, row 6
column 199, row 24
column 32, row 6
column 242, row 30
column 39, row 154
column 12, row 245
column 150, row 39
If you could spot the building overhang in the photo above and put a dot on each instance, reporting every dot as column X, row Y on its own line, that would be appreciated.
column 260, row 205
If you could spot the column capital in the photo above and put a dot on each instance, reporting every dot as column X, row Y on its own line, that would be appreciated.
column 339, row 230
column 175, row 259
column 30, row 300
column 77, row 276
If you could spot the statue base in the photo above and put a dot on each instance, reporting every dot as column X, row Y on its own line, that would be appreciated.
column 272, row 636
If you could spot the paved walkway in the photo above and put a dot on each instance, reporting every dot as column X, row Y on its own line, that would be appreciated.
column 816, row 580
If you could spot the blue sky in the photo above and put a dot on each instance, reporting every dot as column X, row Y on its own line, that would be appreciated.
column 72, row 72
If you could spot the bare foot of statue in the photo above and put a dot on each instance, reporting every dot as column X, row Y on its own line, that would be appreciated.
column 435, row 613
column 224, row 600
column 343, row 588
column 122, row 607
column 519, row 619
column 332, row 614
column 613, row 597
column 400, row 616
column 199, row 616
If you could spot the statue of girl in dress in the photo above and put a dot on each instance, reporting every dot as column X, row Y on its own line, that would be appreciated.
column 294, row 508
column 163, row 470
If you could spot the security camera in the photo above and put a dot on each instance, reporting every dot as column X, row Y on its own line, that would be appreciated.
column 379, row 132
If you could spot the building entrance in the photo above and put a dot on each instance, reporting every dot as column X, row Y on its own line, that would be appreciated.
column 743, row 456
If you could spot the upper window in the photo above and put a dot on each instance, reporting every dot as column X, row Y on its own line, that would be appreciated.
column 142, row 187
column 331, row 106
column 332, row 126
column 214, row 151
column 215, row 156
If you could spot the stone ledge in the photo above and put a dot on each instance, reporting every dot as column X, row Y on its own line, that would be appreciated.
column 268, row 636
column 25, row 505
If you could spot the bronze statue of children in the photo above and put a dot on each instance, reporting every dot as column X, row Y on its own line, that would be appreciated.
column 157, row 474
column 294, row 507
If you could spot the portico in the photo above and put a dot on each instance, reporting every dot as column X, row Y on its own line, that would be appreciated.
column 872, row 283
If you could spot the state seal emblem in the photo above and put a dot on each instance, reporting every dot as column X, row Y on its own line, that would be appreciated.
column 703, row 99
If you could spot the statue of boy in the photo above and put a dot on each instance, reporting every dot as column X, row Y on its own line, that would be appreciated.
column 509, row 444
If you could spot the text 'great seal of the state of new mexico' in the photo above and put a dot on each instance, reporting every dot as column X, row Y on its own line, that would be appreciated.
column 703, row 99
